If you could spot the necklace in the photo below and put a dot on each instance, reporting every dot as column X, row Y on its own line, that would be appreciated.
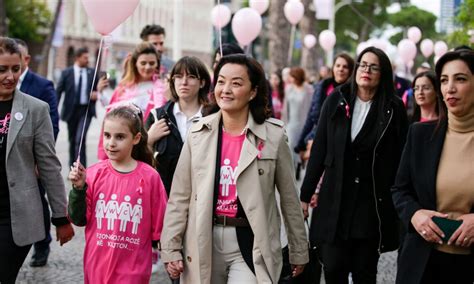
column 241, row 133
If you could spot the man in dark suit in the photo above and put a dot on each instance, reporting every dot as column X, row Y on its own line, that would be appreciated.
column 76, row 83
column 32, row 84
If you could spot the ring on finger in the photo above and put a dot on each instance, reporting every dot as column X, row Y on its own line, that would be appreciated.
column 466, row 239
column 423, row 233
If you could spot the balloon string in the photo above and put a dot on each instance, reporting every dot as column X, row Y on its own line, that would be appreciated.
column 90, row 95
column 220, row 27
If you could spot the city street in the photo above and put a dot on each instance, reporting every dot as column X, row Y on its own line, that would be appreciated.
column 65, row 263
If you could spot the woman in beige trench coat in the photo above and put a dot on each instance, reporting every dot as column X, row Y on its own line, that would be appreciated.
column 198, row 232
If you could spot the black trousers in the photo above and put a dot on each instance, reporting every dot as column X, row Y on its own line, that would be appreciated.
column 356, row 256
column 446, row 268
column 44, row 244
column 75, row 126
column 11, row 256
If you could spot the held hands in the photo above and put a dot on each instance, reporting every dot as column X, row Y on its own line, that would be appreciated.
column 64, row 233
column 77, row 175
column 174, row 268
column 296, row 269
column 158, row 130
column 425, row 226
column 314, row 201
column 464, row 235
column 304, row 206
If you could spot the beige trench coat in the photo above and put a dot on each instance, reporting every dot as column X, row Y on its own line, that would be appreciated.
column 187, row 230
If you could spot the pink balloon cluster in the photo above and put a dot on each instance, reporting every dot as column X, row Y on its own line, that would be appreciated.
column 246, row 25
column 294, row 11
column 220, row 16
column 103, row 19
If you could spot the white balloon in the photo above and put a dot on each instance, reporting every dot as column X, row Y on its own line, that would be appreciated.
column 260, row 6
column 294, row 11
column 378, row 43
column 406, row 50
column 220, row 16
column 427, row 47
column 309, row 41
column 363, row 45
column 410, row 64
column 246, row 25
column 440, row 48
column 414, row 34
column 327, row 40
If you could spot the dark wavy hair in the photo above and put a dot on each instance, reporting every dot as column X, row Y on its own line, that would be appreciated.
column 416, row 108
column 8, row 45
column 192, row 66
column 259, row 105
column 133, row 116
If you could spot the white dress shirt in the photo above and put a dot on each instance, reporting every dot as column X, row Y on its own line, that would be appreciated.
column 183, row 122
column 79, row 71
column 361, row 109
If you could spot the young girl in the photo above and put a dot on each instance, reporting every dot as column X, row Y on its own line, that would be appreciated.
column 121, row 201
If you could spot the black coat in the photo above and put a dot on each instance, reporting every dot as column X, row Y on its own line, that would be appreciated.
column 168, row 148
column 414, row 189
column 327, row 155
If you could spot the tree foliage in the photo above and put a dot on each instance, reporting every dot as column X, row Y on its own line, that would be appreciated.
column 29, row 20
column 410, row 16
column 465, row 19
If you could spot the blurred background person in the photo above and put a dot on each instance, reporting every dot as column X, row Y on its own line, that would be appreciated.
column 425, row 66
column 434, row 188
column 358, row 144
column 425, row 90
column 140, row 85
column 278, row 93
column 324, row 72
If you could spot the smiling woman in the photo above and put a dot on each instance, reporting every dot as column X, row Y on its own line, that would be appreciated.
column 26, row 148
column 140, row 85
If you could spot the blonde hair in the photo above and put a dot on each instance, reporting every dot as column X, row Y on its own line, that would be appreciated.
column 131, row 72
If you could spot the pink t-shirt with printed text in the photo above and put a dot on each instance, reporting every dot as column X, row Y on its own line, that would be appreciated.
column 125, row 213
column 230, row 154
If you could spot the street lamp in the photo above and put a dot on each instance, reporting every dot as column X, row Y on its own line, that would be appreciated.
column 332, row 23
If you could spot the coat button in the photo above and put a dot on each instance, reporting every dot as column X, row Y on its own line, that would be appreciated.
column 380, row 199
column 356, row 180
column 260, row 171
column 189, row 259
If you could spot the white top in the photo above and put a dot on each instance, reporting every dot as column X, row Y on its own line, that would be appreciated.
column 183, row 122
column 79, row 71
column 361, row 109
column 22, row 77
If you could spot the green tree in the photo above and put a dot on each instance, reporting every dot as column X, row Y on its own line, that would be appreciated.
column 465, row 19
column 412, row 16
column 29, row 20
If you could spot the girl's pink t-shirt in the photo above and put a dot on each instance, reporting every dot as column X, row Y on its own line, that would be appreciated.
column 230, row 154
column 125, row 213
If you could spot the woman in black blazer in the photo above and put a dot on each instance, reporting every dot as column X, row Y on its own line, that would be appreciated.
column 358, row 144
column 436, row 179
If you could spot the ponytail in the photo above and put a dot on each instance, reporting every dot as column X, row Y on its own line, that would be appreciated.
column 134, row 117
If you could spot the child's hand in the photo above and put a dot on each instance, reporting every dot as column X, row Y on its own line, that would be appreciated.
column 77, row 175
column 174, row 268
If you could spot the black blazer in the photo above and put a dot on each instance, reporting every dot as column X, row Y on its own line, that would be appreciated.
column 327, row 155
column 414, row 189
column 71, row 99
column 43, row 89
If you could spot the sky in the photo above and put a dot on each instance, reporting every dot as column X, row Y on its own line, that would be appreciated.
column 432, row 6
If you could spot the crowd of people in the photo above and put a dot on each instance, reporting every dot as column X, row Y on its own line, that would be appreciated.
column 201, row 163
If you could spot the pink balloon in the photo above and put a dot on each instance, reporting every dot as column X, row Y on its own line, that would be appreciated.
column 309, row 41
column 427, row 47
column 293, row 11
column 440, row 48
column 378, row 43
column 363, row 45
column 414, row 34
column 410, row 64
column 106, row 15
column 327, row 40
column 220, row 16
column 260, row 6
column 406, row 50
column 246, row 25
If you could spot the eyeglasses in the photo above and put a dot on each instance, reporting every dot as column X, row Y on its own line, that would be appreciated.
column 179, row 78
column 424, row 88
column 372, row 68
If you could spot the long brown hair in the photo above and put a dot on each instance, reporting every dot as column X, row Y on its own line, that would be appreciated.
column 134, row 118
column 131, row 72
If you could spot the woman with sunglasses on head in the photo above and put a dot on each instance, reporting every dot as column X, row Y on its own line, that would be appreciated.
column 140, row 85
column 212, row 234
column 425, row 90
column 168, row 125
column 434, row 188
column 358, row 144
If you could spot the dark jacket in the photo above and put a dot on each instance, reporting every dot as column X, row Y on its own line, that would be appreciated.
column 168, row 148
column 43, row 89
column 328, row 153
column 415, row 189
column 67, row 85
column 319, row 96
